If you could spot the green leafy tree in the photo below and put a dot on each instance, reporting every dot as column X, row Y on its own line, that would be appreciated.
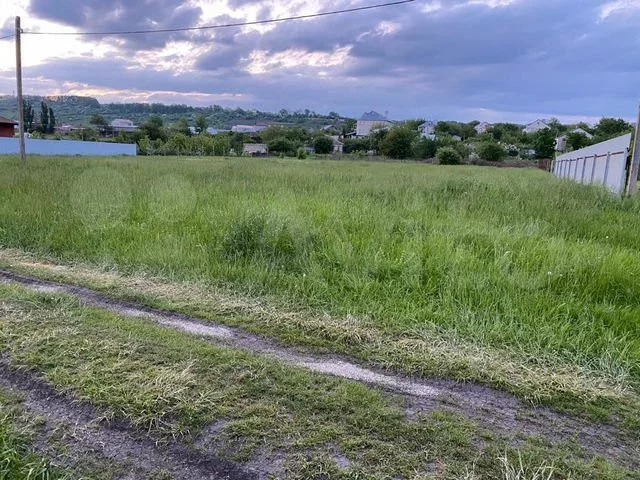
column 577, row 140
column 29, row 116
column 282, row 145
column 448, row 156
column 154, row 128
column 425, row 148
column 397, row 143
column 491, row 151
column 182, row 126
column 544, row 143
column 97, row 120
column 201, row 124
column 609, row 128
column 323, row 144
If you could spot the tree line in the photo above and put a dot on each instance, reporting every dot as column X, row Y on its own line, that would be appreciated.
column 43, row 123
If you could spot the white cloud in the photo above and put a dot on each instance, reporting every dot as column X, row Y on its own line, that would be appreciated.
column 617, row 7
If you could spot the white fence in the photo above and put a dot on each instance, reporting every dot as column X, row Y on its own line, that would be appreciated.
column 9, row 146
column 603, row 164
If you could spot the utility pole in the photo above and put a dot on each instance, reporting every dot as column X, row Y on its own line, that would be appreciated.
column 632, row 181
column 23, row 156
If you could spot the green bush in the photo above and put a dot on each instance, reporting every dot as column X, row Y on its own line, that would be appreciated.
column 301, row 153
column 448, row 156
column 425, row 148
column 491, row 152
column 323, row 145
column 397, row 143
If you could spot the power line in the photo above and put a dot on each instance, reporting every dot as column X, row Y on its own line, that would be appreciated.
column 228, row 25
column 8, row 36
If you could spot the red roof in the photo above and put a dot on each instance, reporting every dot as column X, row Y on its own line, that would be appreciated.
column 6, row 120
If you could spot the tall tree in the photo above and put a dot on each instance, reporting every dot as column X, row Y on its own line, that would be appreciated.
column 52, row 121
column 201, row 124
column 29, row 116
column 44, row 117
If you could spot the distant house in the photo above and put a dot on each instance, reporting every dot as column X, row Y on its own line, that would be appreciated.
column 248, row 128
column 535, row 127
column 123, row 125
column 254, row 149
column 561, row 141
column 369, row 122
column 338, row 146
column 7, row 127
column 427, row 130
column 483, row 127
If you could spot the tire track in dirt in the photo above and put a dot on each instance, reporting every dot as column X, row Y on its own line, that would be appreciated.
column 498, row 411
column 86, row 433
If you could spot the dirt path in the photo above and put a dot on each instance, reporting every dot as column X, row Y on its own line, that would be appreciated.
column 498, row 411
column 84, row 433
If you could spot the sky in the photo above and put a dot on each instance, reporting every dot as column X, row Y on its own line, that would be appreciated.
column 488, row 60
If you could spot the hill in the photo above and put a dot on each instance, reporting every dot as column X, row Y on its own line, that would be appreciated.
column 77, row 110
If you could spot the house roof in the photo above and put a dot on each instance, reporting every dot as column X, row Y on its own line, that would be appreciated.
column 373, row 117
column 6, row 120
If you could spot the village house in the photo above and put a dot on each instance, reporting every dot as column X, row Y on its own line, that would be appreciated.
column 338, row 146
column 535, row 127
column 7, row 127
column 248, row 128
column 122, row 125
column 561, row 141
column 254, row 149
column 371, row 121
column 427, row 130
column 483, row 127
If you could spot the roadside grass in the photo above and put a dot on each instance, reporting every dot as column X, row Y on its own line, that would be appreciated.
column 567, row 387
column 17, row 460
column 180, row 387
column 540, row 271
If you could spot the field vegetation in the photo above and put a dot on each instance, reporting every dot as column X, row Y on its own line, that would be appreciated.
column 511, row 278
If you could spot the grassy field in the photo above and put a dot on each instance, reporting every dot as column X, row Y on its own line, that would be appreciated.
column 508, row 277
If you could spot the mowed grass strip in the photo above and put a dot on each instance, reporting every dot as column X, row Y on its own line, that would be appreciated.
column 179, row 387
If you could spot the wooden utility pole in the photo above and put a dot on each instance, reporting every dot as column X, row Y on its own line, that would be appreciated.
column 632, row 181
column 23, row 156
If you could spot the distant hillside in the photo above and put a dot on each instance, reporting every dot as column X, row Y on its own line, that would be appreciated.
column 76, row 110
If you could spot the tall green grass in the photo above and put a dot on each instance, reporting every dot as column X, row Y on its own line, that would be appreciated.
column 498, row 256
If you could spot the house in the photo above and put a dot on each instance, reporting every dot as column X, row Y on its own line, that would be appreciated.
column 254, row 149
column 338, row 146
column 369, row 122
column 561, row 141
column 67, row 129
column 123, row 125
column 7, row 127
column 248, row 128
column 535, row 127
column 427, row 130
column 483, row 127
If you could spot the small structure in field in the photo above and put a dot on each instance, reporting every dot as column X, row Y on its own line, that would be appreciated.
column 7, row 127
column 123, row 125
column 254, row 149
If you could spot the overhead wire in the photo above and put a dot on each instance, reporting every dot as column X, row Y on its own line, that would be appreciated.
column 225, row 25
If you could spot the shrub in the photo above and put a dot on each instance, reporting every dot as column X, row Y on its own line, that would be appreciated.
column 397, row 143
column 323, row 145
column 425, row 148
column 448, row 156
column 282, row 145
column 491, row 152
column 301, row 153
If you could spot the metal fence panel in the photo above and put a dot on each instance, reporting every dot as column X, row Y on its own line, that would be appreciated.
column 9, row 146
column 602, row 164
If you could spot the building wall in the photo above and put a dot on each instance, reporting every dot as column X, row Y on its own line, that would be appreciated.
column 364, row 127
column 6, row 130
column 9, row 146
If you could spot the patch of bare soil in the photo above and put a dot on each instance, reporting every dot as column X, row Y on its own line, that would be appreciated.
column 497, row 411
column 83, row 431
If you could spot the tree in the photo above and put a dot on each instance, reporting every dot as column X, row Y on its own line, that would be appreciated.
column 44, row 117
column 52, row 121
column 397, row 143
column 609, row 128
column 425, row 148
column 282, row 145
column 182, row 127
column 98, row 120
column 448, row 156
column 544, row 143
column 201, row 124
column 154, row 128
column 491, row 151
column 577, row 140
column 29, row 116
column 323, row 144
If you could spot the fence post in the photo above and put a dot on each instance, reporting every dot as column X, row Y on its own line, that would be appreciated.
column 632, row 179
column 593, row 168
column 606, row 169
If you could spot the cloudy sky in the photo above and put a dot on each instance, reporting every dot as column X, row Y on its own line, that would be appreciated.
column 512, row 60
